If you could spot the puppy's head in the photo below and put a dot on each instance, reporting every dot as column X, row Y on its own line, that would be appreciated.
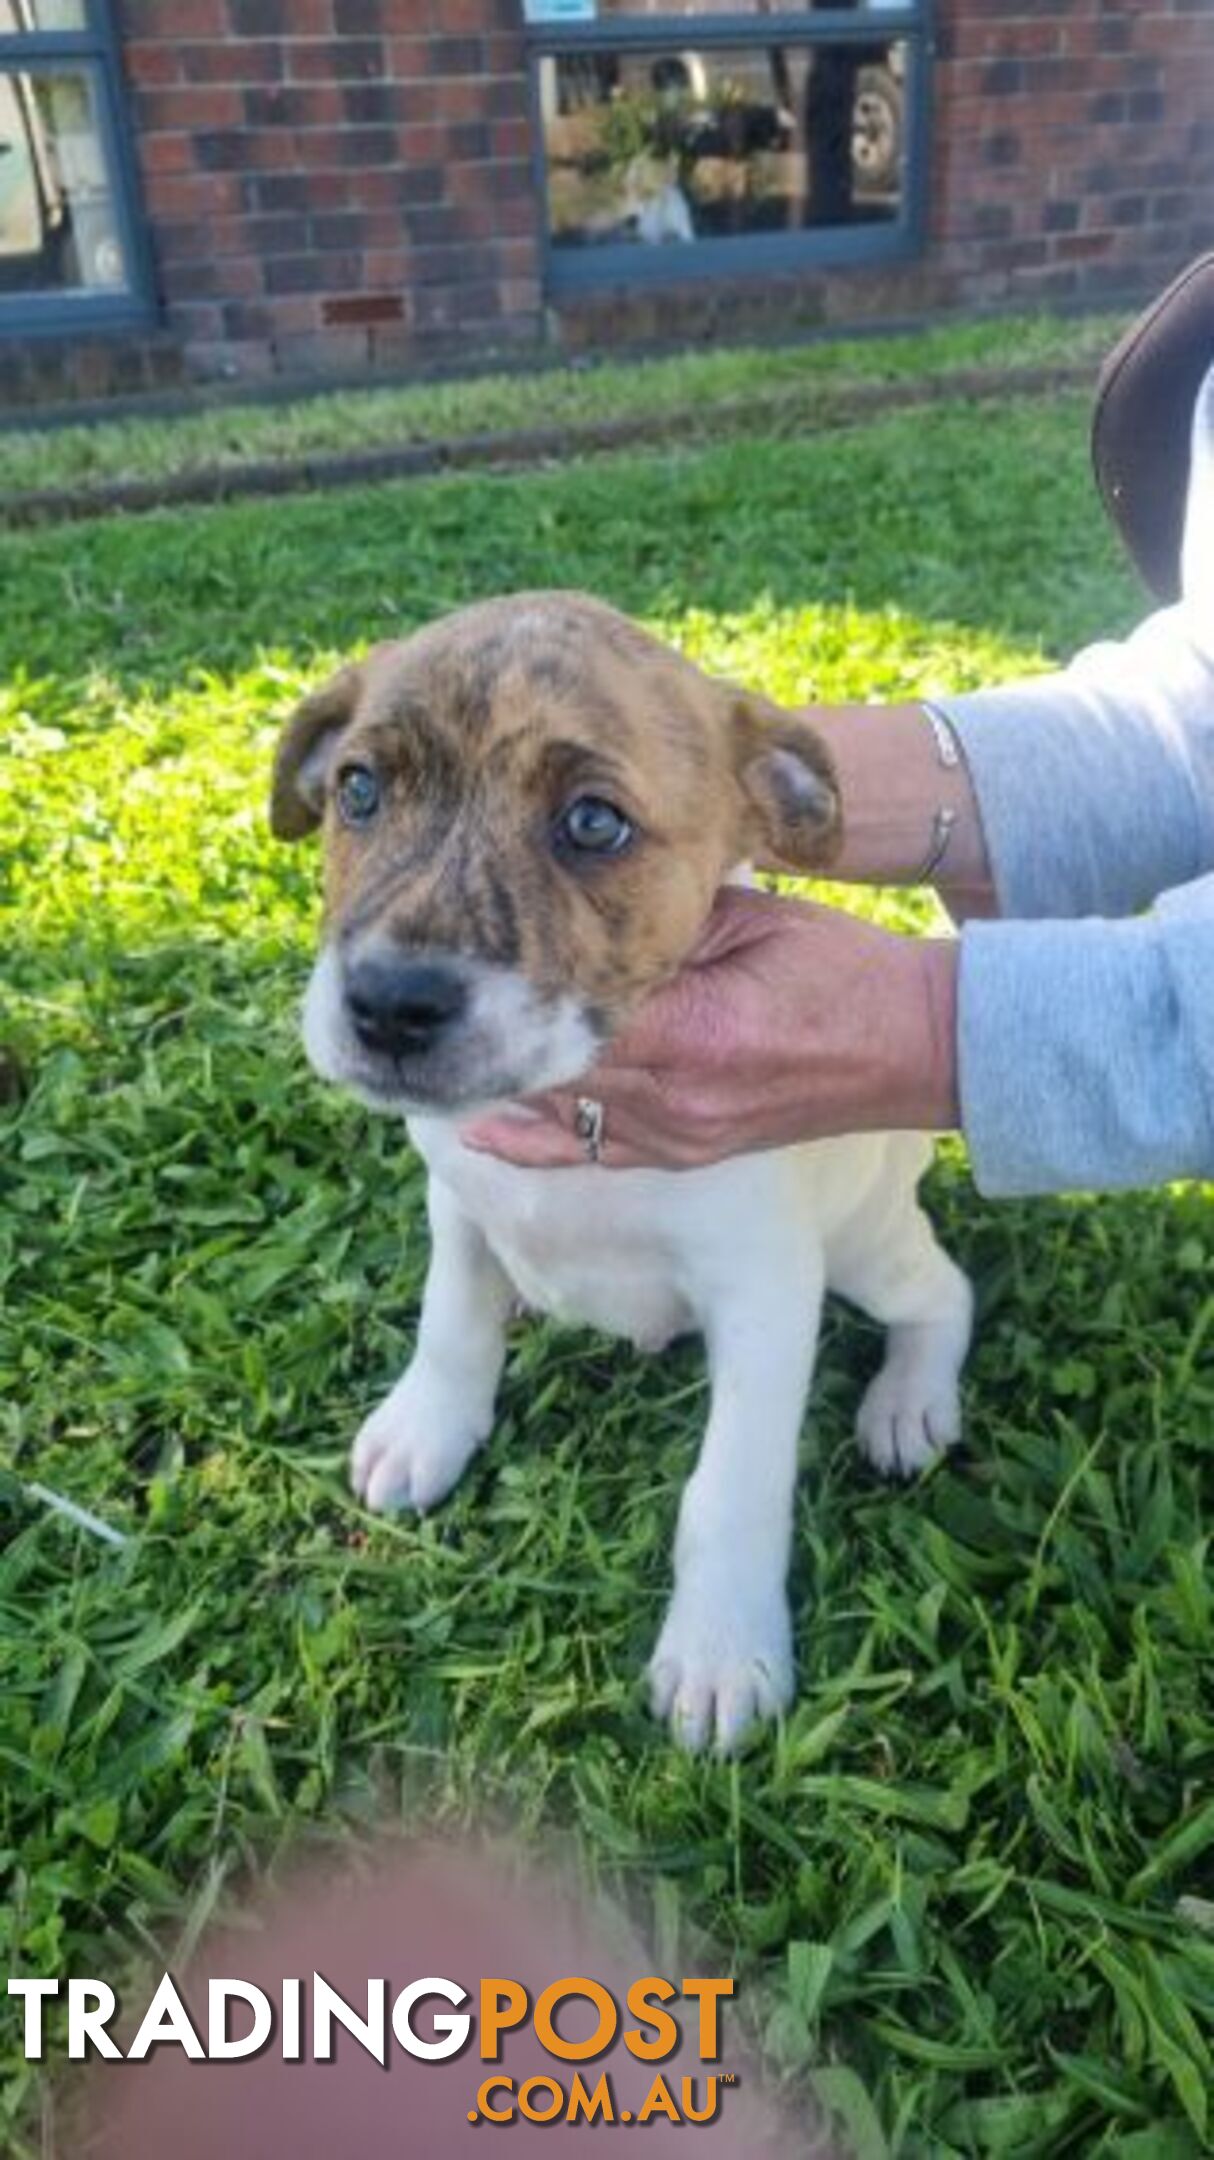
column 527, row 809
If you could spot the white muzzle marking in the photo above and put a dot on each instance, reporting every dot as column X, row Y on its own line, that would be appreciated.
column 510, row 1041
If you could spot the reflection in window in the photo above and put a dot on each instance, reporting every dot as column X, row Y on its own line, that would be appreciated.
column 667, row 148
column 58, row 226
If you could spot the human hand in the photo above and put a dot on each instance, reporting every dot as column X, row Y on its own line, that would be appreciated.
column 789, row 1022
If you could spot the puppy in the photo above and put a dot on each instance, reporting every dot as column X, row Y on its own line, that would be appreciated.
column 655, row 207
column 528, row 808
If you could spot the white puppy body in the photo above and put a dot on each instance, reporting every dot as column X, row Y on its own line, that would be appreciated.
column 742, row 1252
column 528, row 807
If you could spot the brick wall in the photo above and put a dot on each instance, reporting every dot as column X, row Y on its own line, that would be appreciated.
column 334, row 185
column 1074, row 144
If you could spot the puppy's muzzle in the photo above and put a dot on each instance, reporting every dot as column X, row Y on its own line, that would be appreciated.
column 400, row 1006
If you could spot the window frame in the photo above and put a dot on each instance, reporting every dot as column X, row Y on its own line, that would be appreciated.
column 95, row 48
column 569, row 271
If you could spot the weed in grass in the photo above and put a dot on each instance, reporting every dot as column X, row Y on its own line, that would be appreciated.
column 967, row 1886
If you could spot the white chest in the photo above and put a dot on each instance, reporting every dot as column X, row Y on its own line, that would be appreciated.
column 588, row 1247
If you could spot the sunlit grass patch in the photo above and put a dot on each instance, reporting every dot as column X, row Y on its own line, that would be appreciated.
column 971, row 1866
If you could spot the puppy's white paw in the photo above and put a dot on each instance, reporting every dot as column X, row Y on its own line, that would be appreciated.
column 722, row 1660
column 413, row 1448
column 909, row 1416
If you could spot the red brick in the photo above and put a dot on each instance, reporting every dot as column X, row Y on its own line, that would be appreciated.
column 511, row 138
column 148, row 65
column 386, row 266
column 422, row 143
column 194, row 109
column 335, row 349
column 378, row 190
column 466, row 17
column 198, row 319
column 506, row 55
column 364, row 308
column 273, row 105
column 172, row 21
column 519, row 216
column 172, row 195
column 521, row 296
column 336, row 60
column 1077, row 247
column 236, row 60
column 407, row 58
column 519, row 258
column 237, row 277
column 273, row 150
column 166, row 153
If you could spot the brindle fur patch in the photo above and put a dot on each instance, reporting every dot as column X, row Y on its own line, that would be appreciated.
column 482, row 728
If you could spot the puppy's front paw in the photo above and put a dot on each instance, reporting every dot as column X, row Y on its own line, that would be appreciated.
column 907, row 1419
column 412, row 1449
column 722, row 1660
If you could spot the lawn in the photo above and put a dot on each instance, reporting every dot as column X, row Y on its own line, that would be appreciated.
column 806, row 380
column 976, row 1867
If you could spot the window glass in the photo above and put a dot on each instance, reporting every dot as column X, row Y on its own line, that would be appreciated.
column 667, row 148
column 17, row 16
column 58, row 227
column 637, row 10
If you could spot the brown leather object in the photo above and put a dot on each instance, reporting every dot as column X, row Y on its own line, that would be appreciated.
column 1142, row 425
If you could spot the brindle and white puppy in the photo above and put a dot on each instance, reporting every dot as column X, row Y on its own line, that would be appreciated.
column 528, row 808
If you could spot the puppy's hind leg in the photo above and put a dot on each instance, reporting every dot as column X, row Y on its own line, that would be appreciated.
column 894, row 1269
column 412, row 1449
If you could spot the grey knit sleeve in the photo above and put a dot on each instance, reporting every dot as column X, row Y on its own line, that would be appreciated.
column 1086, row 1049
column 1096, row 786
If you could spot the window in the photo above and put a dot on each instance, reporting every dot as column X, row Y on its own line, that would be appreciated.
column 696, row 140
column 71, row 251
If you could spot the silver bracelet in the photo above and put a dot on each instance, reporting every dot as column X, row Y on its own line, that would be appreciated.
column 948, row 751
column 942, row 833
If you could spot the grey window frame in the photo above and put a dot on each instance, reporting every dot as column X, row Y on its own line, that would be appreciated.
column 572, row 270
column 96, row 47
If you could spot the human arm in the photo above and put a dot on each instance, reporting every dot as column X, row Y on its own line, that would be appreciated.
column 1084, row 792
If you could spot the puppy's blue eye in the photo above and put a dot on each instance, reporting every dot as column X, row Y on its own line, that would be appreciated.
column 593, row 826
column 357, row 794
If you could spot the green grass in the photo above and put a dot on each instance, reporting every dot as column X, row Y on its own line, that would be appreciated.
column 969, row 1868
column 689, row 382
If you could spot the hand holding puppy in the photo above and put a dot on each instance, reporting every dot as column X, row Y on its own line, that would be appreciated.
column 790, row 1022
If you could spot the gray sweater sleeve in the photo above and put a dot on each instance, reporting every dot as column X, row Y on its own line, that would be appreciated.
column 1096, row 786
column 1086, row 1046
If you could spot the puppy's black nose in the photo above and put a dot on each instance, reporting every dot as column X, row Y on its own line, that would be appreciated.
column 400, row 1007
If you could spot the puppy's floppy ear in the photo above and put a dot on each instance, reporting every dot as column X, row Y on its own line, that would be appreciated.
column 792, row 819
column 305, row 752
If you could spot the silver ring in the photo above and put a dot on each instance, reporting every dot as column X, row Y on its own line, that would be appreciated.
column 589, row 1120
